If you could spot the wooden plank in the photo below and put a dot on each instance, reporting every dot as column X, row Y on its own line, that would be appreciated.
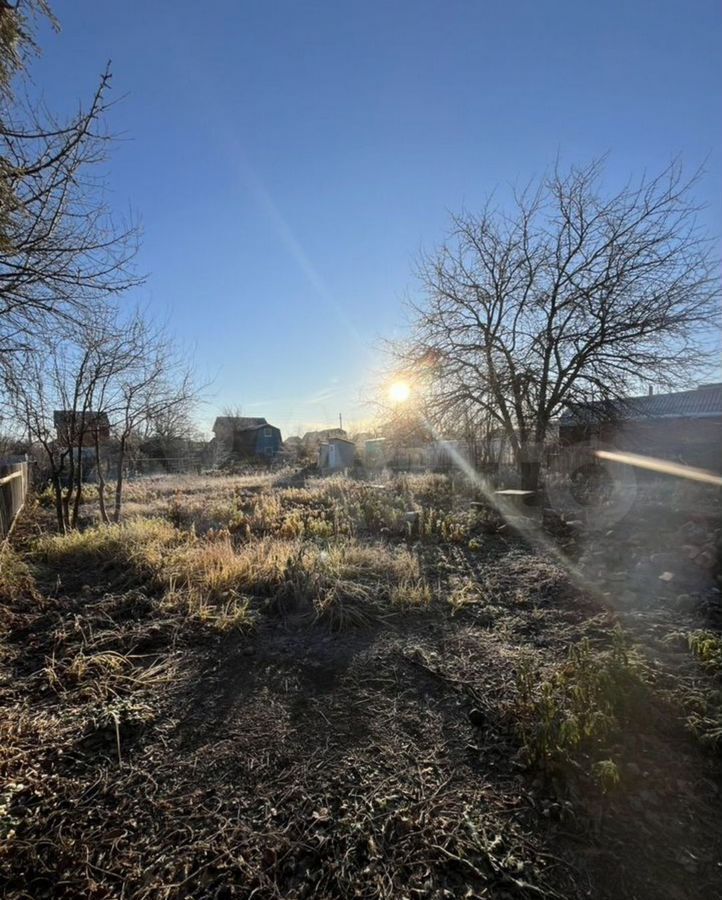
column 13, row 523
column 9, row 502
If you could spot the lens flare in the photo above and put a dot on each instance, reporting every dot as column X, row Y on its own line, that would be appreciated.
column 662, row 465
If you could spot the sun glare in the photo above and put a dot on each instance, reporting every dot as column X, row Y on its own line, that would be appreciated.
column 399, row 392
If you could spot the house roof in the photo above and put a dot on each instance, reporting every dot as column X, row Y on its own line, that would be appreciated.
column 704, row 402
column 323, row 435
column 239, row 423
column 90, row 418
column 263, row 424
column 339, row 440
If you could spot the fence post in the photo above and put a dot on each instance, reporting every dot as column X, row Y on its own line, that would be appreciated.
column 13, row 491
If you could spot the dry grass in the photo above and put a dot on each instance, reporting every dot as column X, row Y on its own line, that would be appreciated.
column 254, row 506
column 15, row 576
column 412, row 594
column 144, row 756
column 132, row 551
column 467, row 594
column 224, row 581
column 344, row 583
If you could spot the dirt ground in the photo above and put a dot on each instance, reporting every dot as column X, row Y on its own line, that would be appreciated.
column 289, row 760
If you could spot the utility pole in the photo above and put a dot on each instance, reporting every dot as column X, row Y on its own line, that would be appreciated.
column 340, row 421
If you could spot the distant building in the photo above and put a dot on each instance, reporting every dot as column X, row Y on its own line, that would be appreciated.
column 293, row 448
column 71, row 426
column 336, row 454
column 244, row 437
column 685, row 426
column 375, row 452
column 312, row 439
column 445, row 454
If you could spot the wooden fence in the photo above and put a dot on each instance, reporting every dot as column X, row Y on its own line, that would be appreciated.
column 13, row 491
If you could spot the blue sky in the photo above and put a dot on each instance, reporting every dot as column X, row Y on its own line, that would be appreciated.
column 289, row 159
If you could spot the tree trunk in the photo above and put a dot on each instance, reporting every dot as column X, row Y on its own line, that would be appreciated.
column 78, row 486
column 68, row 492
column 529, row 471
column 101, row 481
column 58, row 491
column 119, row 482
column 66, row 510
column 529, row 463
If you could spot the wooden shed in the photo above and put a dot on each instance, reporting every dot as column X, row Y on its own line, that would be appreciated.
column 336, row 454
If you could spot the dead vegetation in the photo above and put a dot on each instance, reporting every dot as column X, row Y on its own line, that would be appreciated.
column 300, row 690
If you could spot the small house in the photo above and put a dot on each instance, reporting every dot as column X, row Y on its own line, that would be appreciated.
column 244, row 437
column 336, row 454
column 73, row 427
column 684, row 426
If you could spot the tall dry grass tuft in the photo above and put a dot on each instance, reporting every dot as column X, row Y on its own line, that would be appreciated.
column 16, row 579
column 346, row 583
column 135, row 548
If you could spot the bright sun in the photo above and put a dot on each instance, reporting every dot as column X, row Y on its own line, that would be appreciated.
column 399, row 392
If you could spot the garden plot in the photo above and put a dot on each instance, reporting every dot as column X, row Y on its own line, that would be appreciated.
column 260, row 687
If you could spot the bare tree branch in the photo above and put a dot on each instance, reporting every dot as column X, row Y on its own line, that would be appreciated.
column 572, row 297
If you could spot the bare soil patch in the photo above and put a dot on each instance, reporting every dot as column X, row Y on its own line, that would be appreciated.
column 148, row 751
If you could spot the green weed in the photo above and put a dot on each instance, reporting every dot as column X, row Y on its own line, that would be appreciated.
column 577, row 709
column 707, row 647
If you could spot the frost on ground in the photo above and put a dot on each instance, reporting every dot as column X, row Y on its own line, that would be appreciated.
column 265, row 687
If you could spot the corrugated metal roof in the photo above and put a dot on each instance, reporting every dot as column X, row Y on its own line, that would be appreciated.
column 704, row 402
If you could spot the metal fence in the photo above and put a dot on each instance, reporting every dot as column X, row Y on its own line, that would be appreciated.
column 13, row 491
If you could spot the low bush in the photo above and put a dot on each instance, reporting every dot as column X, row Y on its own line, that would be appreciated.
column 707, row 647
column 574, row 713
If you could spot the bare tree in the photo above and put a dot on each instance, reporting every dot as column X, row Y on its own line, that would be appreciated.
column 156, row 385
column 233, row 411
column 33, row 397
column 108, row 354
column 403, row 425
column 61, row 252
column 112, row 373
column 17, row 37
column 572, row 297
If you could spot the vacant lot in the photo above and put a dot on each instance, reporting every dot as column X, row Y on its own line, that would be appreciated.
column 274, row 687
